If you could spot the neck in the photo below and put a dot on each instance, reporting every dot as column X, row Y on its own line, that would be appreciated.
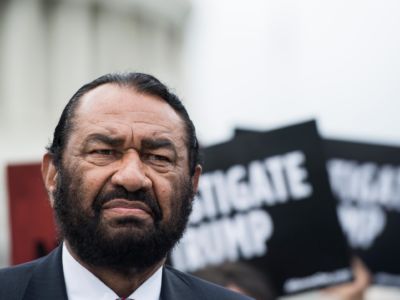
column 122, row 282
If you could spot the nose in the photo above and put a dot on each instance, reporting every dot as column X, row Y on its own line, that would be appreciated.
column 131, row 173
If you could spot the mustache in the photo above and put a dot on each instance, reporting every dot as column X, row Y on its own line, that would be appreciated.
column 121, row 193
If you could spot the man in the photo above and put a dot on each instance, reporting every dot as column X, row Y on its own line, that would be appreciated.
column 121, row 174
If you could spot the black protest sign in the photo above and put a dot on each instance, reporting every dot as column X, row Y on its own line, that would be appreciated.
column 264, row 198
column 366, row 182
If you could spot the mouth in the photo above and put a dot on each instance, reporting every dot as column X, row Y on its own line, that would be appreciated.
column 127, row 208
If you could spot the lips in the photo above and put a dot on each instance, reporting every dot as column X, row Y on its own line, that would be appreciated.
column 126, row 206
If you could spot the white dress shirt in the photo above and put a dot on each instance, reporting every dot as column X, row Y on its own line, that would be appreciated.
column 81, row 284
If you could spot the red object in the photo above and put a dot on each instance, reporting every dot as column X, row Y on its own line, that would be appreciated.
column 31, row 218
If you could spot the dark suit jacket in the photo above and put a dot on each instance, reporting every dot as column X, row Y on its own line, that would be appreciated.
column 43, row 279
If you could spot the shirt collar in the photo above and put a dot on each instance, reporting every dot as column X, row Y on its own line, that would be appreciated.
column 81, row 284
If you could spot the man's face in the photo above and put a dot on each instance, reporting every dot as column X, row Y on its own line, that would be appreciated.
column 123, row 193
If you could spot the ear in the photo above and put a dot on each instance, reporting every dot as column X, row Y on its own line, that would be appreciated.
column 195, row 178
column 49, row 175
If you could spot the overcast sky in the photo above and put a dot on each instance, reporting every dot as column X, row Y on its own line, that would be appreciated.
column 263, row 64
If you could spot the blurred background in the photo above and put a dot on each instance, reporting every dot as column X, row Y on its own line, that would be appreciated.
column 257, row 63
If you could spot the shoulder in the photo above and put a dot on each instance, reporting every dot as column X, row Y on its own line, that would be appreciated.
column 203, row 289
column 18, row 272
column 13, row 280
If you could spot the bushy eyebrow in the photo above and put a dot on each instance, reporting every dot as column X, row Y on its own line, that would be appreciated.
column 147, row 143
column 105, row 139
column 153, row 144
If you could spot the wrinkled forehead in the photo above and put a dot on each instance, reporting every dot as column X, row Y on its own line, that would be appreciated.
column 117, row 105
column 112, row 98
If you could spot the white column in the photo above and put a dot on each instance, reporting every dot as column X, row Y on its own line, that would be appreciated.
column 23, row 62
column 22, row 90
column 117, row 42
column 71, row 50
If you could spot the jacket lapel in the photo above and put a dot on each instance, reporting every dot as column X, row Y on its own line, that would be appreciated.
column 176, row 287
column 47, row 281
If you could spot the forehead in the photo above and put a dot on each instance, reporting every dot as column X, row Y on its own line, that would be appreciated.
column 120, row 108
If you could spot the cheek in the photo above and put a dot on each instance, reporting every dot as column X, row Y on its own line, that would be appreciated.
column 169, row 194
column 91, row 184
column 165, row 191
column 165, row 200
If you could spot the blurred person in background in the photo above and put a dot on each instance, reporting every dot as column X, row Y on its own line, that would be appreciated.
column 354, row 290
column 121, row 173
column 240, row 277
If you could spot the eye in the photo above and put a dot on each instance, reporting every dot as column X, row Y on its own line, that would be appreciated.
column 103, row 156
column 156, row 157
column 104, row 152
